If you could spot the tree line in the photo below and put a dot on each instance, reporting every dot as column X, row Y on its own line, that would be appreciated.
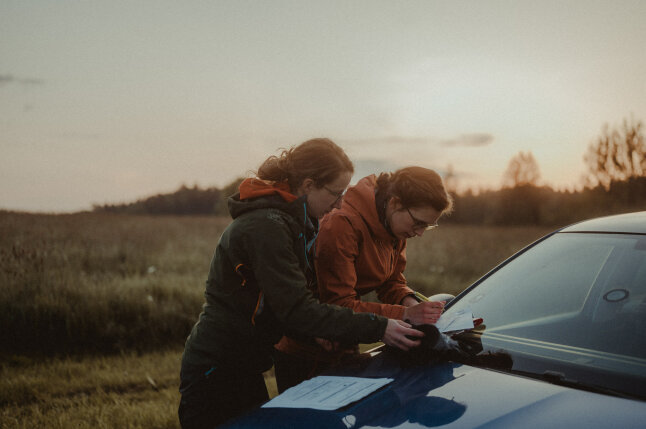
column 615, row 183
column 184, row 201
column 534, row 205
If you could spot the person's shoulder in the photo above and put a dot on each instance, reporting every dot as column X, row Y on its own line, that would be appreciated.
column 336, row 218
column 257, row 230
column 341, row 222
column 263, row 220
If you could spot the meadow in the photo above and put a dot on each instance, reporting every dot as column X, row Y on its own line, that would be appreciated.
column 95, row 307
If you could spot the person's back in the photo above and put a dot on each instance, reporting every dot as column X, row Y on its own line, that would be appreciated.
column 232, row 296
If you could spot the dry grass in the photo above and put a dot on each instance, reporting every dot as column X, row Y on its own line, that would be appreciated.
column 128, row 391
column 101, row 283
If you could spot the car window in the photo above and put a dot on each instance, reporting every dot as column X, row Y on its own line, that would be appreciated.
column 578, row 298
column 552, row 278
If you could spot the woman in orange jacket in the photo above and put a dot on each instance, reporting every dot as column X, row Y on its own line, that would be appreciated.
column 361, row 248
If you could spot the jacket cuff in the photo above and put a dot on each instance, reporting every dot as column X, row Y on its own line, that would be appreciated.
column 382, row 327
column 397, row 312
column 412, row 295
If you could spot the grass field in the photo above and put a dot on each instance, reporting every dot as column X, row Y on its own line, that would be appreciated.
column 95, row 308
column 122, row 391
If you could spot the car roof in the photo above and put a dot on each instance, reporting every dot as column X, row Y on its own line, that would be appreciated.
column 628, row 223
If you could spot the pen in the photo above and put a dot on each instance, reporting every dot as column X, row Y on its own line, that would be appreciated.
column 420, row 296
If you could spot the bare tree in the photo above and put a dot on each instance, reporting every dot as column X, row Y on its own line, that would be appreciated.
column 522, row 171
column 451, row 180
column 617, row 155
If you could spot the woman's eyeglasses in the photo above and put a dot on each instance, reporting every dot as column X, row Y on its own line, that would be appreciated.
column 338, row 195
column 420, row 224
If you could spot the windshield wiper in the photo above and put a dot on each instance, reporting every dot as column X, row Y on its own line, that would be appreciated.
column 558, row 378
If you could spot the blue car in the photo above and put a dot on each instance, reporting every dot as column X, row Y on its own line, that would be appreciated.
column 562, row 345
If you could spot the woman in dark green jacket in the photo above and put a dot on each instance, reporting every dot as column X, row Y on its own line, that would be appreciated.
column 260, row 282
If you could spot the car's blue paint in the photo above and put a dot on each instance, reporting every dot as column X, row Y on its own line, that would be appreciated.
column 454, row 395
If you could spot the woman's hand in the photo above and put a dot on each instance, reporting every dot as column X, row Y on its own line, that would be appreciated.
column 328, row 345
column 424, row 313
column 397, row 332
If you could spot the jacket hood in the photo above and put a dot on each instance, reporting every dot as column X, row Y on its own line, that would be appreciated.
column 361, row 199
column 257, row 194
column 252, row 188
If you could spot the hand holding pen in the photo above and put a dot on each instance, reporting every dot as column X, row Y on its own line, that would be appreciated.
column 425, row 312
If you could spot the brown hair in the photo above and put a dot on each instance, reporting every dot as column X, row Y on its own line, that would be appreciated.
column 318, row 159
column 415, row 187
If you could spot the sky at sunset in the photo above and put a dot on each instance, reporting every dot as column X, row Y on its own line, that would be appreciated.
column 111, row 101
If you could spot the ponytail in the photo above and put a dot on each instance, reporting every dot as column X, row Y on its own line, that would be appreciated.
column 318, row 159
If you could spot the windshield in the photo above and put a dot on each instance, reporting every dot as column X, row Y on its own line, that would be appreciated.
column 574, row 304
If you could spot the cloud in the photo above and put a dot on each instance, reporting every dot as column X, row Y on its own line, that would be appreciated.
column 469, row 140
column 7, row 79
column 366, row 166
column 401, row 140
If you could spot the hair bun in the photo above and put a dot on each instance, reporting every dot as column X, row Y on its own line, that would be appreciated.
column 284, row 163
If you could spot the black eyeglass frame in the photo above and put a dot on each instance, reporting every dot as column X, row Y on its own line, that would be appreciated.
column 335, row 194
column 419, row 224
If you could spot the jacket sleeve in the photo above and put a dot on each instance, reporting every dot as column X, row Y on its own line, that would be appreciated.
column 337, row 248
column 395, row 288
column 270, row 247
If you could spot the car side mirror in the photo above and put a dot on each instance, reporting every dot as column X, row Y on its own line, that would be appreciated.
column 441, row 297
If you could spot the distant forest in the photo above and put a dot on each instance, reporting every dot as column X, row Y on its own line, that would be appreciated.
column 520, row 205
column 615, row 183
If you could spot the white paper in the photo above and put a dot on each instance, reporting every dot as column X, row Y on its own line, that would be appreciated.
column 455, row 321
column 327, row 392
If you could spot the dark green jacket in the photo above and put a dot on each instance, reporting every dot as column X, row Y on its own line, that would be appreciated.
column 257, row 290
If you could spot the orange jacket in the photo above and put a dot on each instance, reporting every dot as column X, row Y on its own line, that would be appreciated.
column 355, row 254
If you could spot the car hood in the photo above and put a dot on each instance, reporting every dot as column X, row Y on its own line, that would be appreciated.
column 460, row 396
column 493, row 399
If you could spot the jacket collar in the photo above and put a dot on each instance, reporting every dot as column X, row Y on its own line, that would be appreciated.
column 257, row 194
column 361, row 200
column 253, row 188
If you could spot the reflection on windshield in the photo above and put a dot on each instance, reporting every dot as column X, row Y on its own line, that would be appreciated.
column 575, row 298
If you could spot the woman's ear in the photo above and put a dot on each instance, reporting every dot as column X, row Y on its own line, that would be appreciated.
column 306, row 187
column 395, row 203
